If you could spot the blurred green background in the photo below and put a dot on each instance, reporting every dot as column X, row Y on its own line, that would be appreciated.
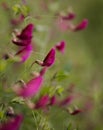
column 83, row 57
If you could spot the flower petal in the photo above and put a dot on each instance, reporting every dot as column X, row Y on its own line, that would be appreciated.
column 31, row 88
column 82, row 25
column 24, row 53
column 50, row 58
column 61, row 46
column 12, row 124
column 26, row 32
column 43, row 101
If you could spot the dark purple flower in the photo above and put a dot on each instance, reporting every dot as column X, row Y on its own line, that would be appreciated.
column 61, row 46
column 43, row 102
column 82, row 25
column 69, row 16
column 31, row 88
column 24, row 53
column 12, row 124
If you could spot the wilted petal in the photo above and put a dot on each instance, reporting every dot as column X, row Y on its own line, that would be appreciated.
column 82, row 25
column 12, row 124
column 31, row 88
column 50, row 58
column 43, row 102
column 26, row 32
column 61, row 46
column 24, row 53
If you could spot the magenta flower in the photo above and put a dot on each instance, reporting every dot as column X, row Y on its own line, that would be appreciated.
column 43, row 102
column 52, row 101
column 48, row 60
column 12, row 124
column 82, row 25
column 31, row 88
column 24, row 53
column 26, row 32
column 69, row 16
column 61, row 46
column 25, row 37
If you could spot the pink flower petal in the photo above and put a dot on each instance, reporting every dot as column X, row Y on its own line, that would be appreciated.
column 24, row 53
column 50, row 58
column 82, row 25
column 70, row 16
column 31, row 88
column 43, row 102
column 26, row 32
column 52, row 101
column 61, row 46
column 12, row 124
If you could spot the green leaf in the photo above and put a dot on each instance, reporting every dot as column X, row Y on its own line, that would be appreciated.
column 18, row 100
column 69, row 127
column 61, row 75
column 16, row 9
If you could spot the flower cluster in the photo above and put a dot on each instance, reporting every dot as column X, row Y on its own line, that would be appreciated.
column 28, row 90
column 64, row 23
column 24, row 41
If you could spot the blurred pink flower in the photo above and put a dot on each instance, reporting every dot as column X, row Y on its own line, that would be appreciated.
column 31, row 88
column 82, row 25
column 61, row 46
column 18, row 20
column 13, row 123
column 52, row 100
column 43, row 102
column 24, row 53
column 69, row 16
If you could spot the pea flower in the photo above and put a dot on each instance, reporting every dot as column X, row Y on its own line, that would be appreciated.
column 48, row 60
column 13, row 123
column 25, row 37
column 61, row 46
column 69, row 16
column 43, row 102
column 24, row 53
column 23, row 41
column 31, row 88
column 82, row 25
